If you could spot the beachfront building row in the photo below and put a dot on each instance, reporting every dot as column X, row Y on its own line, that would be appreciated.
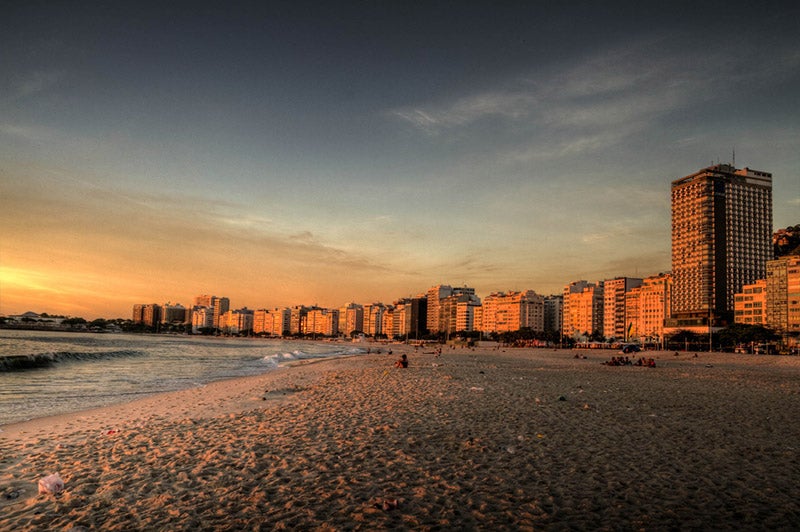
column 624, row 308
column 774, row 301
column 783, row 294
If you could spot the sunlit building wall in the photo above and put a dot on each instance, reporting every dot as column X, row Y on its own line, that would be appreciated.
column 238, row 321
column 648, row 307
column 512, row 311
column 271, row 322
column 322, row 321
column 783, row 294
column 297, row 319
column 373, row 319
column 614, row 302
column 351, row 318
column 721, row 240
column 220, row 305
column 583, row 308
column 202, row 318
column 750, row 305
column 388, row 325
column 151, row 315
column 435, row 295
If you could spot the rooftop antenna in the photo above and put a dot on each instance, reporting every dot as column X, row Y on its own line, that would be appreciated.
column 734, row 157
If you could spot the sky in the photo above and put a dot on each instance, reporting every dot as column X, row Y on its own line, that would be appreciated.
column 285, row 153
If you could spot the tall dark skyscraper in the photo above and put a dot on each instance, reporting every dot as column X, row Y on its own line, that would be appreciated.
column 721, row 240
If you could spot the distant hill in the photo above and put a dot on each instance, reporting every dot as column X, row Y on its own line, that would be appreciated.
column 786, row 241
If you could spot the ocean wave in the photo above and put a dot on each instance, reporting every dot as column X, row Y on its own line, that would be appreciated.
column 44, row 360
column 276, row 359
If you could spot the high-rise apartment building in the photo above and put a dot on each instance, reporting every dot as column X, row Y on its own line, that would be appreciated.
column 583, row 308
column 219, row 305
column 373, row 319
column 721, row 240
column 173, row 313
column 351, row 318
column 553, row 307
column 275, row 322
column 202, row 318
column 783, row 294
column 435, row 294
column 148, row 314
column 647, row 308
column 410, row 316
column 297, row 319
column 322, row 321
column 437, row 320
column 388, row 322
column 512, row 311
column 234, row 322
column 457, row 312
column 614, row 306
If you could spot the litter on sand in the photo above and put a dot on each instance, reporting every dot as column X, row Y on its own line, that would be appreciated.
column 51, row 484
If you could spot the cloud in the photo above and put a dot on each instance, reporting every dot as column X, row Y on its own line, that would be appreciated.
column 32, row 83
column 618, row 90
column 29, row 133
column 469, row 109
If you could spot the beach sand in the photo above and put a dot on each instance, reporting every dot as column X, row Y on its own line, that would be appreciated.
column 483, row 439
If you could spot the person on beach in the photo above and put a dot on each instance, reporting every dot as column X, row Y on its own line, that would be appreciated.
column 402, row 362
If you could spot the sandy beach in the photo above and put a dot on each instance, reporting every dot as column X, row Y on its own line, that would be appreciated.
column 473, row 439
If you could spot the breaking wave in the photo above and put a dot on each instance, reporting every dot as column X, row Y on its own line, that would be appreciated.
column 277, row 359
column 44, row 360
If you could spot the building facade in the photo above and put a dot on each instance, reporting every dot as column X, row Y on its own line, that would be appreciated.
column 351, row 319
column 614, row 306
column 202, row 318
column 583, row 308
column 373, row 319
column 553, row 308
column 783, row 294
column 235, row 322
column 147, row 314
column 647, row 309
column 173, row 313
column 438, row 318
column 322, row 321
column 512, row 311
column 721, row 241
column 219, row 306
column 275, row 322
column 750, row 305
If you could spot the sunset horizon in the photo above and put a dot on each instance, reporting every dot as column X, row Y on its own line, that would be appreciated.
column 286, row 154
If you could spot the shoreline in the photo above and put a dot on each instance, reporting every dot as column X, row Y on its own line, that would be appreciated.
column 508, row 438
column 207, row 400
column 220, row 401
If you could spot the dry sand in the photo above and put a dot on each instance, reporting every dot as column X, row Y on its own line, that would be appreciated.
column 514, row 439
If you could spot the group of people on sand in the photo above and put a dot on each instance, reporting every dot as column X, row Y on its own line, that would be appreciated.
column 625, row 361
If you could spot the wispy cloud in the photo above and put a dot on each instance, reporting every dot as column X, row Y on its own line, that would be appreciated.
column 510, row 105
column 618, row 91
column 30, row 84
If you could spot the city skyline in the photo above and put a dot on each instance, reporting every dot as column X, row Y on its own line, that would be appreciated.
column 296, row 153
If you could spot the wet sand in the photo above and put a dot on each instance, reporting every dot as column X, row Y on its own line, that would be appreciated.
column 484, row 439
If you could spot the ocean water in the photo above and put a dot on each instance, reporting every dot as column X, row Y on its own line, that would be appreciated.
column 46, row 373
